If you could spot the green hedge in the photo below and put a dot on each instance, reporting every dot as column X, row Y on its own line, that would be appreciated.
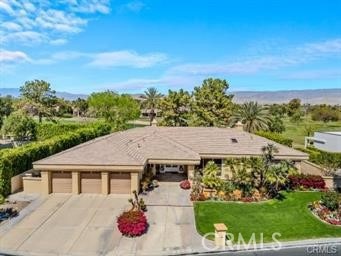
column 275, row 137
column 323, row 158
column 49, row 130
column 17, row 160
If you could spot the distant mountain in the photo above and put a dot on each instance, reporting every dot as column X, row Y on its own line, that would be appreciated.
column 66, row 95
column 318, row 96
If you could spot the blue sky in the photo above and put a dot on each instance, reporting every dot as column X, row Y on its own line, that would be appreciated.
column 92, row 45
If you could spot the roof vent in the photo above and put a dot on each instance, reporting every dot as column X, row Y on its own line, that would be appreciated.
column 234, row 140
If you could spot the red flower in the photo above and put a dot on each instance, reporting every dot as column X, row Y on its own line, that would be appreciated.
column 185, row 184
column 132, row 223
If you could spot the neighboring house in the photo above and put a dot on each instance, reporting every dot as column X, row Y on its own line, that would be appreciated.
column 326, row 141
column 115, row 163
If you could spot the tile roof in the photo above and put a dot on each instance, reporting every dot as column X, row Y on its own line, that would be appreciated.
column 137, row 146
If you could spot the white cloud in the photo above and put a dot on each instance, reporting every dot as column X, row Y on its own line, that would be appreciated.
column 250, row 65
column 11, row 26
column 12, row 56
column 313, row 74
column 5, row 6
column 90, row 6
column 51, row 20
column 134, row 6
column 127, row 59
column 26, row 37
column 59, row 41
column 60, row 21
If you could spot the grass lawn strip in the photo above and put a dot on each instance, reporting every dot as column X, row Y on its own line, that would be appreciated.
column 290, row 217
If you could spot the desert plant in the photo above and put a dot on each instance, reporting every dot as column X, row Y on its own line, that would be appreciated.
column 137, row 203
column 330, row 200
column 210, row 176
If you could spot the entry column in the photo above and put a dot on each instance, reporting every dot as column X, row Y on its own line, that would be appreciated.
column 190, row 172
column 134, row 182
column 46, row 182
column 75, row 183
column 105, row 183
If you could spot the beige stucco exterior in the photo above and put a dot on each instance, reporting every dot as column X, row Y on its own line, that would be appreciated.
column 32, row 184
column 75, row 183
column 105, row 183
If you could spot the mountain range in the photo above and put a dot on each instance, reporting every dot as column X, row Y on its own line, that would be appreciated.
column 316, row 96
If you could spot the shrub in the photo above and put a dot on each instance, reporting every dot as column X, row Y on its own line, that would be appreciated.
column 275, row 137
column 132, row 223
column 210, row 177
column 306, row 181
column 330, row 200
column 185, row 184
column 17, row 160
column 49, row 130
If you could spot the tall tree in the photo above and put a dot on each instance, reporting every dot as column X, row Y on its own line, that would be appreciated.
column 294, row 106
column 114, row 108
column 20, row 126
column 152, row 97
column 175, row 108
column 39, row 97
column 211, row 105
column 253, row 117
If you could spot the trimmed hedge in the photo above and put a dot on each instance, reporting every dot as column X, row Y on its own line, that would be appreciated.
column 275, row 137
column 307, row 181
column 17, row 160
column 49, row 130
column 323, row 158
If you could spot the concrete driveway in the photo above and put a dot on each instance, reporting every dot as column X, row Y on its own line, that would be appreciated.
column 86, row 225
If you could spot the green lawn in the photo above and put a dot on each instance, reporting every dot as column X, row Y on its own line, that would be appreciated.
column 297, row 131
column 290, row 217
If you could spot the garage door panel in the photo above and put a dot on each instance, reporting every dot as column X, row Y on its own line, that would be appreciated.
column 120, row 183
column 91, row 183
column 61, row 182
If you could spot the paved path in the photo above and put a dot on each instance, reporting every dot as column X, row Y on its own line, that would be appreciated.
column 83, row 224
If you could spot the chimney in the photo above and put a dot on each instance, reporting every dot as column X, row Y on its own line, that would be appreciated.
column 154, row 123
column 239, row 126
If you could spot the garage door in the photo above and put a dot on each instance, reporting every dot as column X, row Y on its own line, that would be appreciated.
column 61, row 182
column 91, row 182
column 120, row 183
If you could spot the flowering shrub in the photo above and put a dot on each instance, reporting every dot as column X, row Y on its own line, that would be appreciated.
column 331, row 216
column 132, row 223
column 185, row 184
column 247, row 199
column 237, row 194
column 306, row 181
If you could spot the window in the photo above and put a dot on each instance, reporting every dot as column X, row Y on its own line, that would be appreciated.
column 234, row 140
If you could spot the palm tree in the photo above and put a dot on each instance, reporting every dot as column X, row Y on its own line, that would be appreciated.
column 152, row 97
column 252, row 116
column 277, row 176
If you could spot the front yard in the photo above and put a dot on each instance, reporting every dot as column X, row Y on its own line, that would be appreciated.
column 290, row 217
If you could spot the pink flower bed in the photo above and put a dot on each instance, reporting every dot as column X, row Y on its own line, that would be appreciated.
column 325, row 214
column 132, row 223
column 185, row 184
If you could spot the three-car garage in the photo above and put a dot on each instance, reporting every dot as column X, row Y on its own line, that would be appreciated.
column 93, row 182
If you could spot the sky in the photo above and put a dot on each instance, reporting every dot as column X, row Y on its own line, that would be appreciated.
column 82, row 46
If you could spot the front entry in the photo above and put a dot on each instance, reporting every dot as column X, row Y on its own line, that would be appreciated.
column 91, row 182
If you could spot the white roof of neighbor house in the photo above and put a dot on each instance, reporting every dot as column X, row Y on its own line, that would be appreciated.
column 334, row 133
column 137, row 146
